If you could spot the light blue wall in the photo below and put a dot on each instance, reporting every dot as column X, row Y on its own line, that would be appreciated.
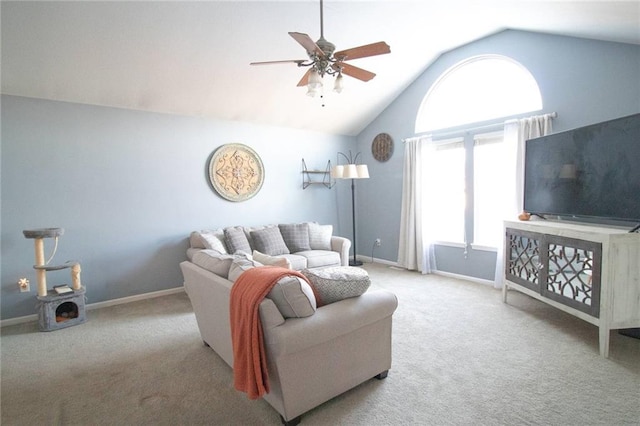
column 584, row 81
column 129, row 186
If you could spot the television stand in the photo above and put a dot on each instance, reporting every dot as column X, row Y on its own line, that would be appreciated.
column 591, row 272
column 635, row 228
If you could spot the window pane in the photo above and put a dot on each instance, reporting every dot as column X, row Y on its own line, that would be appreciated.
column 491, row 191
column 478, row 89
column 444, row 199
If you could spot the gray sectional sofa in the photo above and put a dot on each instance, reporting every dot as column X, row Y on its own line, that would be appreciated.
column 320, row 248
column 311, row 357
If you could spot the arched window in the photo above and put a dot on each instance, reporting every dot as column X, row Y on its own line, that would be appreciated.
column 478, row 89
column 466, row 166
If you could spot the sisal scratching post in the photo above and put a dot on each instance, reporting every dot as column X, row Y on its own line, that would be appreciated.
column 41, row 274
column 75, row 277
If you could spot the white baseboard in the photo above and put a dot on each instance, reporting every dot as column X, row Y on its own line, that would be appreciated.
column 98, row 305
column 442, row 273
column 465, row 277
column 369, row 259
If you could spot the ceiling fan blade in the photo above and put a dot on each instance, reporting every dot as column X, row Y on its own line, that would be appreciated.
column 372, row 49
column 307, row 43
column 294, row 61
column 305, row 78
column 355, row 72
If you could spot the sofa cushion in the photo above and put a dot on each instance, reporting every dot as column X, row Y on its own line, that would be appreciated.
column 213, row 261
column 337, row 283
column 214, row 240
column 298, row 263
column 265, row 259
column 321, row 258
column 296, row 236
column 293, row 297
column 320, row 236
column 236, row 240
column 239, row 265
column 269, row 241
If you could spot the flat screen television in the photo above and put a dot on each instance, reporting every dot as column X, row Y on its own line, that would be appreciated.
column 592, row 172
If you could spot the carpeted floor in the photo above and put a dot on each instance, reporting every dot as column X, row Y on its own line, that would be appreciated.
column 460, row 357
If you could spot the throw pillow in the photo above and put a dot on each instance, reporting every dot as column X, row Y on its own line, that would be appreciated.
column 236, row 239
column 195, row 240
column 293, row 297
column 213, row 261
column 265, row 259
column 214, row 240
column 336, row 283
column 296, row 236
column 269, row 241
column 247, row 232
column 239, row 265
column 320, row 236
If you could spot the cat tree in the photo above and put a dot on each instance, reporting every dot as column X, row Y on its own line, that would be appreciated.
column 56, row 310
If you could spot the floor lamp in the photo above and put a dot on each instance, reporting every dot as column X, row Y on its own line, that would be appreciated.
column 352, row 171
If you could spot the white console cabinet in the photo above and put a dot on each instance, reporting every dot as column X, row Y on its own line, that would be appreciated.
column 591, row 272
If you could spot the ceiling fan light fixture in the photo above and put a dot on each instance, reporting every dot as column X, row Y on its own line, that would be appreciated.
column 323, row 60
column 315, row 80
column 338, row 84
column 311, row 92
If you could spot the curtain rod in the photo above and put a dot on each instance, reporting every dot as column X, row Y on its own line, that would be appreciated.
column 473, row 129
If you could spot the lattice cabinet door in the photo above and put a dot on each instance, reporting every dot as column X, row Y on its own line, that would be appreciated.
column 522, row 258
column 572, row 272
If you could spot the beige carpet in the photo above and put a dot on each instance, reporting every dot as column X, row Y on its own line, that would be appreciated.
column 461, row 357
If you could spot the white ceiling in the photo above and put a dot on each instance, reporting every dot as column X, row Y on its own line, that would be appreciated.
column 192, row 58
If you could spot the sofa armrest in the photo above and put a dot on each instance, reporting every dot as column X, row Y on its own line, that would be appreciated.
column 342, row 246
column 331, row 321
column 270, row 315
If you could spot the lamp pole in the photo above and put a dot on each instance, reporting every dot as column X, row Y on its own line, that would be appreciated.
column 354, row 262
column 352, row 170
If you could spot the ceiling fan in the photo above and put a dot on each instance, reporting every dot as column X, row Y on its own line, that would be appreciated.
column 324, row 61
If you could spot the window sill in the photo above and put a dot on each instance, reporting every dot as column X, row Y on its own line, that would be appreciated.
column 480, row 247
column 449, row 244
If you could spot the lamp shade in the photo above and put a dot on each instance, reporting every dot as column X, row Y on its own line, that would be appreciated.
column 362, row 171
column 337, row 87
column 350, row 172
column 337, row 172
column 315, row 80
column 311, row 91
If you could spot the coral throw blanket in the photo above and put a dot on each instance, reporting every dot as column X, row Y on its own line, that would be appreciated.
column 249, row 359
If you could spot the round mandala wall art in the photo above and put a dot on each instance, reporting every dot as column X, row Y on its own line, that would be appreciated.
column 236, row 172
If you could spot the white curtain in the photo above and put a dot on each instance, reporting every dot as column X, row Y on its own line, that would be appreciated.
column 415, row 251
column 516, row 133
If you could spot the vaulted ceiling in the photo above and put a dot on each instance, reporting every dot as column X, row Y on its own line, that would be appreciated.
column 192, row 58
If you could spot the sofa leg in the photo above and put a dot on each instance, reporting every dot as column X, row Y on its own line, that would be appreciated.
column 293, row 422
column 383, row 375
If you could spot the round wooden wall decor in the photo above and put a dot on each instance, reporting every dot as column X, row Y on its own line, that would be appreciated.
column 236, row 172
column 382, row 147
